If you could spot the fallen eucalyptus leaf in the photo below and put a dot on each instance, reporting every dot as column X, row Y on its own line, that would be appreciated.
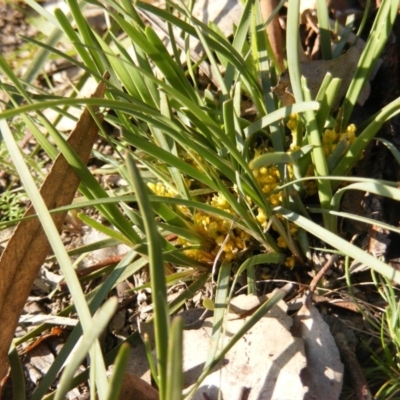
column 28, row 247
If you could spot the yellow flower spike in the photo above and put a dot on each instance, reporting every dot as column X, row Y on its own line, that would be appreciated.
column 276, row 173
column 269, row 179
column 292, row 123
column 266, row 188
column 351, row 129
column 290, row 262
column 228, row 257
column 281, row 242
column 293, row 228
column 261, row 216
column 333, row 136
column 293, row 148
column 213, row 229
column 239, row 244
column 219, row 240
column 229, row 246
column 275, row 199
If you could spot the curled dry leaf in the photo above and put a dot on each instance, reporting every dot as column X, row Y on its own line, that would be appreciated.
column 28, row 247
column 135, row 388
column 314, row 71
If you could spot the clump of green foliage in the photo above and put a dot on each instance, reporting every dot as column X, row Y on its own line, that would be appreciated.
column 233, row 191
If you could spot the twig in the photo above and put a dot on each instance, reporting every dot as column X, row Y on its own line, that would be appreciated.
column 321, row 273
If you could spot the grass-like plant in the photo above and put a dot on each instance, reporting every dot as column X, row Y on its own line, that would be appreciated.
column 233, row 191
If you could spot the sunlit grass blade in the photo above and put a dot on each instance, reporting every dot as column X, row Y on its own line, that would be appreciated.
column 378, row 36
column 88, row 37
column 340, row 244
column 157, row 274
column 220, row 309
column 359, row 218
column 214, row 42
column 17, row 374
column 318, row 158
column 280, row 114
column 100, row 321
column 324, row 29
column 57, row 246
column 175, row 361
column 370, row 187
column 392, row 148
column 326, row 97
column 270, row 258
column 292, row 49
column 117, row 377
column 354, row 152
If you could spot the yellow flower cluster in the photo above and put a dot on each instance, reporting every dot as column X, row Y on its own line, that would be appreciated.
column 218, row 233
column 292, row 122
column 290, row 262
column 269, row 178
column 161, row 190
column 330, row 138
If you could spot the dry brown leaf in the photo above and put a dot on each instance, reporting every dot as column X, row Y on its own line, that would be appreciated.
column 274, row 31
column 29, row 247
column 342, row 67
column 135, row 388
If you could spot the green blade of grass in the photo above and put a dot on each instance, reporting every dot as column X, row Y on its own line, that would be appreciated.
column 99, row 323
column 58, row 248
column 17, row 374
column 117, row 377
column 270, row 258
column 376, row 41
column 356, row 149
column 175, row 360
column 95, row 299
column 220, row 309
column 340, row 244
column 157, row 275
column 324, row 29
column 280, row 114
column 292, row 49
column 318, row 158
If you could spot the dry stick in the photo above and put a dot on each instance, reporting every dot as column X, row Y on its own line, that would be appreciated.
column 274, row 31
column 321, row 273
column 359, row 382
